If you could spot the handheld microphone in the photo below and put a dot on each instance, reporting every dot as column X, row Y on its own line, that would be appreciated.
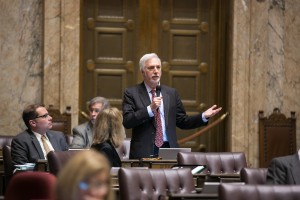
column 158, row 89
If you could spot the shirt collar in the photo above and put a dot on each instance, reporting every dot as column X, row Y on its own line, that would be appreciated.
column 39, row 136
column 148, row 88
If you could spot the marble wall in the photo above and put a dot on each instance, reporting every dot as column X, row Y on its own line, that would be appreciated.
column 39, row 51
column 39, row 41
column 21, row 42
column 265, row 57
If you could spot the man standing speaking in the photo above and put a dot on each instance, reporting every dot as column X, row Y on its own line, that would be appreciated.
column 153, row 111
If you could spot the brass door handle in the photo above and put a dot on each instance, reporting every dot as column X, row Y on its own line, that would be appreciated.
column 129, row 24
column 165, row 66
column 90, row 64
column 129, row 66
column 90, row 23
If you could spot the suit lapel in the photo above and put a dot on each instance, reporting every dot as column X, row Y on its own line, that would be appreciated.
column 88, row 130
column 37, row 145
column 166, row 97
column 143, row 94
column 52, row 141
column 295, row 167
column 144, row 97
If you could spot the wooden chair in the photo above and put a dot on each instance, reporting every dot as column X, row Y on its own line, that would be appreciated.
column 277, row 136
column 60, row 122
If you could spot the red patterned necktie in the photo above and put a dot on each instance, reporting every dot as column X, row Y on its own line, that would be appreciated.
column 159, row 134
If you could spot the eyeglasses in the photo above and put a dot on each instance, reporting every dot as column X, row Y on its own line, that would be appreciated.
column 95, row 110
column 96, row 185
column 151, row 68
column 43, row 116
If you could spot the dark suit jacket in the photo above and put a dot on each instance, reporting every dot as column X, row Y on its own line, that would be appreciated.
column 25, row 148
column 284, row 170
column 110, row 152
column 135, row 116
column 83, row 135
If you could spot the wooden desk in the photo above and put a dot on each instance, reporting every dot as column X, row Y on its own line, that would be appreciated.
column 228, row 178
column 158, row 164
column 224, row 177
column 42, row 165
column 114, row 178
column 130, row 163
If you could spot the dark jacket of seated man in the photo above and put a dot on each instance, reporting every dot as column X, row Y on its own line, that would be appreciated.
column 284, row 170
column 25, row 147
column 35, row 142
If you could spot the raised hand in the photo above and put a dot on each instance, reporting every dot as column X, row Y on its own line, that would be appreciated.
column 212, row 111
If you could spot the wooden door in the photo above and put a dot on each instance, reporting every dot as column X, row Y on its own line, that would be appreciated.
column 185, row 34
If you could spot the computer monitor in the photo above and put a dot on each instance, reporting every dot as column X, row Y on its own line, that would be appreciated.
column 171, row 153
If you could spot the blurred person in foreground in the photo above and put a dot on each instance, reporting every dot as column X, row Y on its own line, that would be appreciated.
column 109, row 134
column 83, row 133
column 86, row 176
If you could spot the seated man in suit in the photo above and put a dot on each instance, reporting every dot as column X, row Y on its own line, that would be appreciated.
column 83, row 133
column 285, row 170
column 35, row 142
column 153, row 111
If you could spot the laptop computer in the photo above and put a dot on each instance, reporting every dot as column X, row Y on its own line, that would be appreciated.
column 171, row 153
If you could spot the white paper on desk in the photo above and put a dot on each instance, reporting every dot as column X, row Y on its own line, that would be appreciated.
column 197, row 169
column 24, row 167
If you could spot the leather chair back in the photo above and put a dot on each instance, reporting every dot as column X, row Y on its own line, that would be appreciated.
column 258, row 192
column 124, row 149
column 57, row 159
column 146, row 184
column 216, row 163
column 8, row 165
column 31, row 185
column 254, row 175
column 5, row 140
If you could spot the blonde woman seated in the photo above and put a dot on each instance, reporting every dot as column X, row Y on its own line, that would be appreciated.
column 86, row 176
column 109, row 134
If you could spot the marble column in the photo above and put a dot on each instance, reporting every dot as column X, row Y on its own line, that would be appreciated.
column 61, row 55
column 21, row 43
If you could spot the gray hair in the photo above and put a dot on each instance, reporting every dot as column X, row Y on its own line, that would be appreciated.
column 102, row 100
column 145, row 58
